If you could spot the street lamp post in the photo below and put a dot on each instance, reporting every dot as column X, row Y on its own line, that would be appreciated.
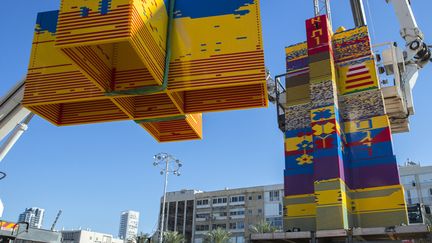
column 167, row 164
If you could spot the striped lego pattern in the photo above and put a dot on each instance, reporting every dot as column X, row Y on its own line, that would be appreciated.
column 91, row 48
column 188, row 128
column 59, row 92
column 340, row 169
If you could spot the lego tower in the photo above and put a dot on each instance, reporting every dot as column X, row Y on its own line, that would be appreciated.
column 340, row 170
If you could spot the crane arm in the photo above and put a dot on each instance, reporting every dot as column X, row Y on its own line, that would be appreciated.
column 417, row 53
column 13, row 118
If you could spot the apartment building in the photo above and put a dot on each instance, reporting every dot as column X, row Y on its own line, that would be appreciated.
column 417, row 182
column 232, row 209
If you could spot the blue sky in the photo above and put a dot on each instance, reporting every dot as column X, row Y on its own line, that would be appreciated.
column 93, row 172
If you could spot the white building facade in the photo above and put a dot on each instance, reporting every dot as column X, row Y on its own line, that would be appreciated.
column 234, row 210
column 417, row 182
column 129, row 221
column 87, row 236
column 34, row 216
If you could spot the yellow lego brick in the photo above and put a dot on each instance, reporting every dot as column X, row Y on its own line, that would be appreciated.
column 298, row 94
column 366, row 124
column 322, row 71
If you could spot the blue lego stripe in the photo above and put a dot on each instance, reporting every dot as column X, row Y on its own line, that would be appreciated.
column 305, row 170
column 47, row 21
column 370, row 162
column 208, row 8
column 295, row 133
column 373, row 151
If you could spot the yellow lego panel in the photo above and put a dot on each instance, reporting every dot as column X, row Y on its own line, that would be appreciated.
column 106, row 37
column 366, row 124
column 357, row 77
column 213, row 49
column 322, row 71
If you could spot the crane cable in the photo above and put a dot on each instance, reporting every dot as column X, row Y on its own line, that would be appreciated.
column 372, row 25
column 164, row 86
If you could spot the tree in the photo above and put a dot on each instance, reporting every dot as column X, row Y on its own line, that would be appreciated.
column 262, row 227
column 142, row 238
column 173, row 237
column 218, row 235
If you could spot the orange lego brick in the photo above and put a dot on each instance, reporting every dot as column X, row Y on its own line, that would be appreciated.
column 76, row 113
column 222, row 99
column 115, row 42
column 182, row 128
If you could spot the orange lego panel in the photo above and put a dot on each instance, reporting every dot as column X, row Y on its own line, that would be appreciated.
column 76, row 113
column 221, row 99
column 115, row 42
column 189, row 128
column 148, row 106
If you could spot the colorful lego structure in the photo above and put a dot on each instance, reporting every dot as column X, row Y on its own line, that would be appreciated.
column 146, row 61
column 340, row 170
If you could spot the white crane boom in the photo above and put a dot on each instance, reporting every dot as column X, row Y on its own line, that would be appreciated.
column 13, row 118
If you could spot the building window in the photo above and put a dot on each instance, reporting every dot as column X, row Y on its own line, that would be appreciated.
column 237, row 199
column 202, row 215
column 259, row 197
column 250, row 211
column 237, row 225
column 237, row 212
column 202, row 227
column 274, row 196
column 219, row 200
column 260, row 211
column 202, row 202
column 222, row 226
column 250, row 198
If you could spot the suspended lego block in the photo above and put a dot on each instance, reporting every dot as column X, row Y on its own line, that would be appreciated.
column 214, row 53
column 56, row 90
column 179, row 128
column 118, row 44
column 352, row 44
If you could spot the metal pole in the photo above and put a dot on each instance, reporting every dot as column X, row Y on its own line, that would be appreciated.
column 13, row 138
column 164, row 201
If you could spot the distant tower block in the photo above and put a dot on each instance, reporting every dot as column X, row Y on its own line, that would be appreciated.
column 340, row 171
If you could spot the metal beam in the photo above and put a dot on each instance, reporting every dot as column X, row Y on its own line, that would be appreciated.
column 322, row 7
column 358, row 13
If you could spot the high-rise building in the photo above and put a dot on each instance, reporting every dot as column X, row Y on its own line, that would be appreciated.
column 87, row 236
column 128, row 225
column 34, row 216
column 194, row 213
column 179, row 212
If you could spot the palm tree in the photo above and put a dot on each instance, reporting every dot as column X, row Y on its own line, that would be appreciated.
column 173, row 237
column 142, row 238
column 218, row 235
column 262, row 227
